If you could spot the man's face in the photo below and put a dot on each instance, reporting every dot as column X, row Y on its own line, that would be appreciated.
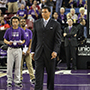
column 61, row 10
column 22, row 22
column 70, row 22
column 45, row 14
column 55, row 15
column 72, row 12
column 15, row 22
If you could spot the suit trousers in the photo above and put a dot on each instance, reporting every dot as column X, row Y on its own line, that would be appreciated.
column 28, row 60
column 70, row 53
column 42, row 62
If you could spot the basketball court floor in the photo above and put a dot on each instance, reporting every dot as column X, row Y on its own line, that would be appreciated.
column 64, row 80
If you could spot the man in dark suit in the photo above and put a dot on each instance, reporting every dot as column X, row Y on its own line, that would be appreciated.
column 80, row 32
column 70, row 34
column 45, row 47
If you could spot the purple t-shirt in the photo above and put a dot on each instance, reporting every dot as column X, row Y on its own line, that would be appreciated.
column 22, row 12
column 3, row 52
column 15, row 35
column 85, row 17
column 28, row 35
column 33, row 13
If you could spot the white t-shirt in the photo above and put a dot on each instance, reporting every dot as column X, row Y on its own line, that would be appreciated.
column 3, row 5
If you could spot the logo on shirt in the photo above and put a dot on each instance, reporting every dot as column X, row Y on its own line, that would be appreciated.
column 15, row 34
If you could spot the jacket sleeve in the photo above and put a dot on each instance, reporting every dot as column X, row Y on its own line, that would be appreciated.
column 34, row 39
column 57, row 38
column 69, row 35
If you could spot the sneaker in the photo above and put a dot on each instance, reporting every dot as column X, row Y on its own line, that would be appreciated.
column 18, row 85
column 9, row 85
column 32, row 81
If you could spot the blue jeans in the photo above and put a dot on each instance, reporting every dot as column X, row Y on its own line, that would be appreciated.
column 85, row 32
column 51, row 7
column 58, row 5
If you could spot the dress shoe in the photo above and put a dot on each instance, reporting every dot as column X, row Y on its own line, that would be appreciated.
column 74, row 68
column 68, row 68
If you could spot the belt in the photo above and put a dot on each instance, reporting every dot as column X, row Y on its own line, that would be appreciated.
column 15, row 47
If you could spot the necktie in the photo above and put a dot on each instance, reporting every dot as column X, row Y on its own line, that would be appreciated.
column 69, row 31
column 45, row 23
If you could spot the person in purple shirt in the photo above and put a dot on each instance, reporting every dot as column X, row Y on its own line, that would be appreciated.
column 15, row 38
column 82, row 14
column 33, row 12
column 26, row 52
column 22, row 12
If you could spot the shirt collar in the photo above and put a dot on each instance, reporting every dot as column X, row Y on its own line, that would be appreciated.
column 69, row 26
column 46, row 20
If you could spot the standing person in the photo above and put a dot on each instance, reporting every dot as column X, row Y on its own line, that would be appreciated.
column 58, row 5
column 12, row 6
column 26, row 51
column 3, row 5
column 14, row 37
column 80, row 32
column 50, row 4
column 45, row 46
column 70, row 34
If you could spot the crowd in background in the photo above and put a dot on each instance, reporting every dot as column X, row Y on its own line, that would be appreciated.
column 61, row 10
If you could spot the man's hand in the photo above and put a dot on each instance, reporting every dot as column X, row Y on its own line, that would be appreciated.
column 10, row 43
column 23, row 53
column 33, row 56
column 20, row 43
column 54, row 55
column 28, row 51
column 64, row 34
column 75, row 35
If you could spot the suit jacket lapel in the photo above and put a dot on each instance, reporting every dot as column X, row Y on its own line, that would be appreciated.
column 49, row 23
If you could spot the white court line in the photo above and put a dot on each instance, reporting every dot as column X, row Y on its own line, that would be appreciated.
column 69, row 85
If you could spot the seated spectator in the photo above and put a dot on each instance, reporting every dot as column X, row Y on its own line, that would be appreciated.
column 22, row 12
column 20, row 2
column 2, row 18
column 71, row 4
column 55, row 16
column 37, row 6
column 33, row 12
column 12, row 6
column 4, row 26
column 80, row 3
column 82, row 14
column 3, row 5
column 62, row 16
column 28, row 5
column 74, row 16
column 42, row 4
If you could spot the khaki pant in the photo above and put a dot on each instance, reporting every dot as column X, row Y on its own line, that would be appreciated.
column 12, row 7
column 29, row 66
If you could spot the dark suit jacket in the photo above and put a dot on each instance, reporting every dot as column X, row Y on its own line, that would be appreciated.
column 70, row 35
column 80, row 32
column 46, row 38
column 49, row 3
